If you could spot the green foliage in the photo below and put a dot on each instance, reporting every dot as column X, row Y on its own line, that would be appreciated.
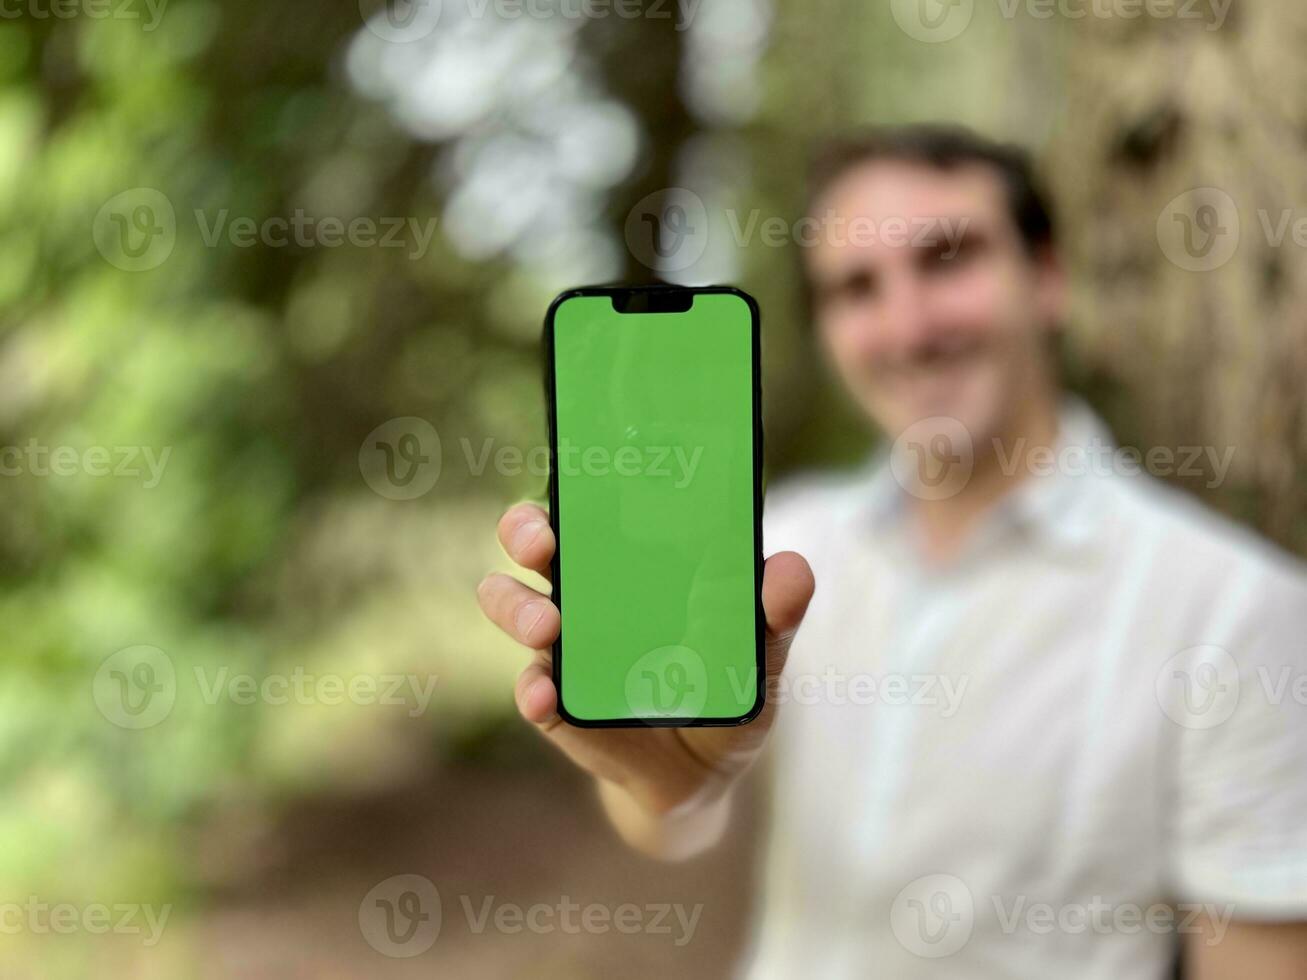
column 251, row 374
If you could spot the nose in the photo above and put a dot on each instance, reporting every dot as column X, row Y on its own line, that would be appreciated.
column 906, row 323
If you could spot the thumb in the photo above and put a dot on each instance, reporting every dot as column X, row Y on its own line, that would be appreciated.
column 787, row 586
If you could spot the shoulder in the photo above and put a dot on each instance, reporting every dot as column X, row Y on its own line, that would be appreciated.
column 1200, row 551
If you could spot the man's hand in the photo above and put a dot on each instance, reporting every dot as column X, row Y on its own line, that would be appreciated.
column 645, row 774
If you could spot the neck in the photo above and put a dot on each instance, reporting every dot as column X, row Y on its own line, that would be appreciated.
column 999, row 467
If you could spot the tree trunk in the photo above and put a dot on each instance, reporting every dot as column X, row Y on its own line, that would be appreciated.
column 1178, row 161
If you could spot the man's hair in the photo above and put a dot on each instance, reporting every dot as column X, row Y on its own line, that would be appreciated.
column 945, row 148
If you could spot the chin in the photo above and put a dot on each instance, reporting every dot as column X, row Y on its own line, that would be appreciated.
column 972, row 401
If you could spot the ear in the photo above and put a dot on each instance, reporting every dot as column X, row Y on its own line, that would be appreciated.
column 1051, row 290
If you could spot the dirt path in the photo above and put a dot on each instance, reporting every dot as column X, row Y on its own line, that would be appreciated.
column 531, row 883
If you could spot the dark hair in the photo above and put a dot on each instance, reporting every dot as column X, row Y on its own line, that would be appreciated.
column 941, row 147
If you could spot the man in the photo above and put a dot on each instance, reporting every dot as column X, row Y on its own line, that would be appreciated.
column 1041, row 716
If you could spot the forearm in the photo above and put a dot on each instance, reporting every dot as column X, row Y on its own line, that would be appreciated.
column 1267, row 951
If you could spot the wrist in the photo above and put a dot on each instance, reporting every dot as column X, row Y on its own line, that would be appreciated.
column 673, row 831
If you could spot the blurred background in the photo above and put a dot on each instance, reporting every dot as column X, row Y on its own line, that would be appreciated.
column 272, row 278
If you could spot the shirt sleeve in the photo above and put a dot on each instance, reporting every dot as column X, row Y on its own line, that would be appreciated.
column 1240, row 836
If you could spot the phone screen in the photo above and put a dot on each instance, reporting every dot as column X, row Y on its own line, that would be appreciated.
column 655, row 497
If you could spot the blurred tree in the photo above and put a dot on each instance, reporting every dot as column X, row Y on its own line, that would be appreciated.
column 1177, row 173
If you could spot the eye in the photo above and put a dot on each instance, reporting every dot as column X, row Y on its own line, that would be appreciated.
column 856, row 286
column 948, row 255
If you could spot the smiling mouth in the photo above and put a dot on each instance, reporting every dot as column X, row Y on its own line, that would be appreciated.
column 933, row 362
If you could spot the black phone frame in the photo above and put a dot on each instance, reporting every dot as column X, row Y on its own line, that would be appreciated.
column 652, row 294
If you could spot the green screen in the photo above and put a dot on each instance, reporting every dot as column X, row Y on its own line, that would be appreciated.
column 654, row 444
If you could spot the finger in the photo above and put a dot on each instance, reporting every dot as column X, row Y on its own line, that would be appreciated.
column 611, row 755
column 528, row 539
column 536, row 697
column 787, row 587
column 602, row 752
column 518, row 610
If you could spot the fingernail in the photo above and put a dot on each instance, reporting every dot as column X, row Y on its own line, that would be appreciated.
column 526, row 534
column 528, row 618
column 531, row 690
column 540, row 684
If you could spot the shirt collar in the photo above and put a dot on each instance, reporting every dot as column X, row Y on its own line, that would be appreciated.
column 1054, row 503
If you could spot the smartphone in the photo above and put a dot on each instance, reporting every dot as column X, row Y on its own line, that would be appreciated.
column 655, row 493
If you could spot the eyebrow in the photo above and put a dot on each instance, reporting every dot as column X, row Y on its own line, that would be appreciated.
column 842, row 280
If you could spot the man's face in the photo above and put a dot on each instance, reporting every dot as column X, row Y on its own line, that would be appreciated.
column 927, row 302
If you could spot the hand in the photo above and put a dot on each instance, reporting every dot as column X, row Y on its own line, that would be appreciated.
column 660, row 768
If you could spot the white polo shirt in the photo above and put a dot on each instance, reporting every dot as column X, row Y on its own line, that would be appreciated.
column 1017, row 765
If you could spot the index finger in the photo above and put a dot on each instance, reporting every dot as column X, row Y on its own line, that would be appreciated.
column 528, row 539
